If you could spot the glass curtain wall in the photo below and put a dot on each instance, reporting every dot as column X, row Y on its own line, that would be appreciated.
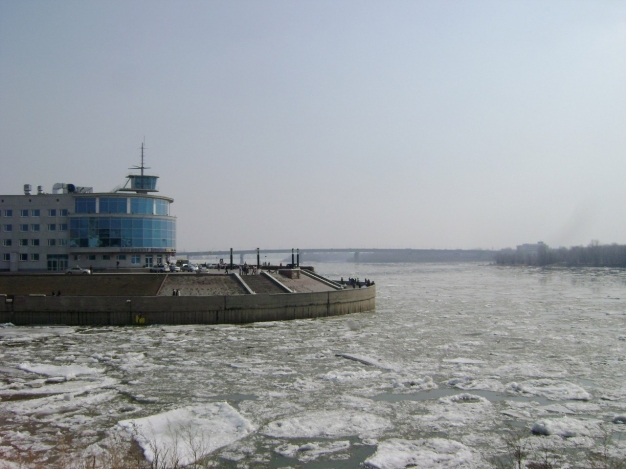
column 136, row 232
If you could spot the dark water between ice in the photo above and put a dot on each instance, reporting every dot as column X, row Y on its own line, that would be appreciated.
column 458, row 354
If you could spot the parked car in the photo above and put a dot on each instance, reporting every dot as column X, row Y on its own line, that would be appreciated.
column 160, row 268
column 174, row 268
column 189, row 268
column 77, row 270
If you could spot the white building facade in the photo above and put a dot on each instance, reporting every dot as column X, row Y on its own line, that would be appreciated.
column 128, row 228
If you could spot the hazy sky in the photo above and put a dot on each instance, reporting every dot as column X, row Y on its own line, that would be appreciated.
column 279, row 124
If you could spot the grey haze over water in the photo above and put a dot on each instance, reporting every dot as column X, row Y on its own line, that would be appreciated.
column 454, row 356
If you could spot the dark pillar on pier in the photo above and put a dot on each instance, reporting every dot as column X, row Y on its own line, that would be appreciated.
column 258, row 259
column 293, row 260
column 231, row 258
column 298, row 257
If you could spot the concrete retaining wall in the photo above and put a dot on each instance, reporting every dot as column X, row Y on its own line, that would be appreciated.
column 236, row 309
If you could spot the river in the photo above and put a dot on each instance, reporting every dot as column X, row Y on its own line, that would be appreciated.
column 455, row 358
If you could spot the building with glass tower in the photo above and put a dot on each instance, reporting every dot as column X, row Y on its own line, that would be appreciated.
column 73, row 225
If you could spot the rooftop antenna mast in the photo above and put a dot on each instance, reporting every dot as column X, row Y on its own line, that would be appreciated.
column 141, row 184
column 142, row 167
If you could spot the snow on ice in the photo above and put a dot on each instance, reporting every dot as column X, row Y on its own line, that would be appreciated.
column 566, row 427
column 68, row 372
column 434, row 453
column 457, row 412
column 189, row 432
column 328, row 424
column 311, row 451
column 550, row 389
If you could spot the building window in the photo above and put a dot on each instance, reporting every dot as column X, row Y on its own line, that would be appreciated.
column 62, row 242
column 106, row 257
column 76, row 257
column 6, row 256
column 24, row 212
column 91, row 257
column 52, row 227
column 52, row 212
column 24, row 227
column 144, row 182
column 121, row 257
column 62, row 226
column 34, row 242
column 36, row 212
column 23, row 242
column 113, row 205
column 52, row 242
column 7, row 242
column 8, row 213
column 63, row 212
column 162, row 207
column 7, row 227
column 35, row 227
column 85, row 205
column 135, row 259
column 34, row 257
column 141, row 205
column 23, row 257
column 122, row 232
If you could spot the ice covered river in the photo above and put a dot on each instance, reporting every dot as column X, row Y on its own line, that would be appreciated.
column 455, row 358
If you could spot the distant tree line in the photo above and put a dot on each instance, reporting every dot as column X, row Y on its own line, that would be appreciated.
column 594, row 255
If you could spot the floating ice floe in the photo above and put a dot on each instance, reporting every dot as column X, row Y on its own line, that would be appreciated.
column 135, row 362
column 469, row 383
column 529, row 370
column 417, row 384
column 457, row 411
column 434, row 453
column 550, row 389
column 311, row 451
column 48, row 408
column 557, row 409
column 465, row 345
column 566, row 427
column 47, row 387
column 188, row 433
column 11, row 333
column 328, row 424
column 464, row 361
column 307, row 385
column 349, row 375
column 367, row 361
column 67, row 372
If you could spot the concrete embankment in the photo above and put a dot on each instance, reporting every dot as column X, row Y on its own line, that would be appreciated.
column 149, row 309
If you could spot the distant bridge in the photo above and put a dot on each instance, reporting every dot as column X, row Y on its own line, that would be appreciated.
column 363, row 254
